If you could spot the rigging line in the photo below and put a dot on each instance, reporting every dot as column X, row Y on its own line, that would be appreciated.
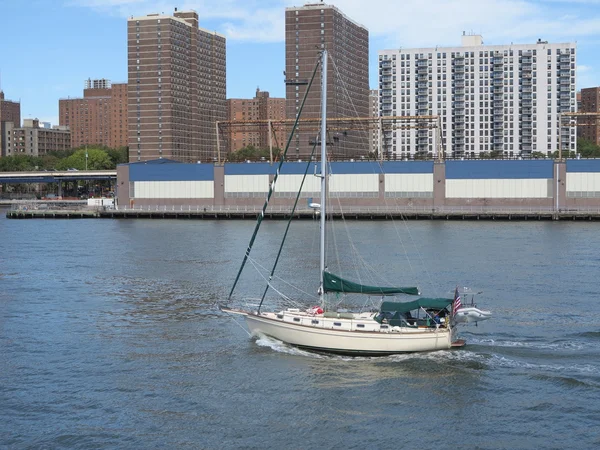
column 256, row 263
column 357, row 258
column 239, row 324
column 287, row 228
column 407, row 228
column 348, row 96
column 272, row 184
column 285, row 297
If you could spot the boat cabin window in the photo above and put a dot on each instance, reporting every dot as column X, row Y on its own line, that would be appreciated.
column 296, row 319
column 337, row 324
column 315, row 322
column 360, row 325
column 280, row 316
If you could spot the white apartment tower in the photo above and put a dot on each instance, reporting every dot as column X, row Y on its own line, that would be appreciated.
column 496, row 100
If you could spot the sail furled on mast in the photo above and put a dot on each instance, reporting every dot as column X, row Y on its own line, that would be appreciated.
column 334, row 283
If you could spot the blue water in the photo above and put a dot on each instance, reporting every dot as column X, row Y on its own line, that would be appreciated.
column 110, row 338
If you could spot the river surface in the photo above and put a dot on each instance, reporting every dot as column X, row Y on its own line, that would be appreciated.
column 110, row 338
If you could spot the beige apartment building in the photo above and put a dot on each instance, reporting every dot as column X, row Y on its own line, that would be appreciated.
column 33, row 140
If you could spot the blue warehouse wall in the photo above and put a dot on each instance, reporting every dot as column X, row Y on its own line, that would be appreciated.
column 583, row 165
column 166, row 170
column 341, row 168
column 499, row 169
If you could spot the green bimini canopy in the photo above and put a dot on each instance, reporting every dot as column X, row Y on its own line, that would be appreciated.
column 333, row 283
column 427, row 303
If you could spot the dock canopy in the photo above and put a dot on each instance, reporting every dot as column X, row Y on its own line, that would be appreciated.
column 333, row 283
column 427, row 303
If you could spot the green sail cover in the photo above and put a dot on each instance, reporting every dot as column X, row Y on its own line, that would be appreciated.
column 427, row 303
column 333, row 283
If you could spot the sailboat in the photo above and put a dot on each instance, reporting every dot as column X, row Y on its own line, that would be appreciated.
column 420, row 325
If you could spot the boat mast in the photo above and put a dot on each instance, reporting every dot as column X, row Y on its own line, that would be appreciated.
column 323, row 163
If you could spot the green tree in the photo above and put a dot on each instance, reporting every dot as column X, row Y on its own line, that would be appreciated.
column 97, row 160
column 587, row 148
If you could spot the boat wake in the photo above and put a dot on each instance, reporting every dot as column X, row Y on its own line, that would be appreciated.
column 532, row 344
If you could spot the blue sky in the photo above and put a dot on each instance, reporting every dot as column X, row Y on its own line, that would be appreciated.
column 49, row 47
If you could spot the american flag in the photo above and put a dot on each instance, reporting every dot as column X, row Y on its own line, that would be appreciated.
column 456, row 304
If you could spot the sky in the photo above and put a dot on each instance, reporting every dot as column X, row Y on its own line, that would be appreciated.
column 48, row 48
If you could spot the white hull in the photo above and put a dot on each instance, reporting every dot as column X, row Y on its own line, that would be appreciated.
column 350, row 342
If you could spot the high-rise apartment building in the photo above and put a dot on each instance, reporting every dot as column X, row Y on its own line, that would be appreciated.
column 33, row 140
column 308, row 30
column 99, row 118
column 177, row 88
column 260, row 108
column 589, row 127
column 374, row 113
column 497, row 100
column 10, row 116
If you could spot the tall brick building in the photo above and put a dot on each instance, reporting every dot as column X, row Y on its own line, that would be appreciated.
column 177, row 93
column 590, row 103
column 100, row 117
column 308, row 30
column 10, row 116
column 262, row 107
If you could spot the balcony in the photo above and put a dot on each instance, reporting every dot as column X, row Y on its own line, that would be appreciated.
column 422, row 70
column 498, row 141
column 497, row 61
column 459, row 77
column 497, row 82
column 422, row 91
column 527, row 90
column 527, row 81
column 459, row 141
column 422, row 78
column 422, row 112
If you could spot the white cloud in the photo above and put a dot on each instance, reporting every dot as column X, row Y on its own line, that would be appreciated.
column 409, row 23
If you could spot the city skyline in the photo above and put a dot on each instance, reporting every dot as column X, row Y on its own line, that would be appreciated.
column 91, row 43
